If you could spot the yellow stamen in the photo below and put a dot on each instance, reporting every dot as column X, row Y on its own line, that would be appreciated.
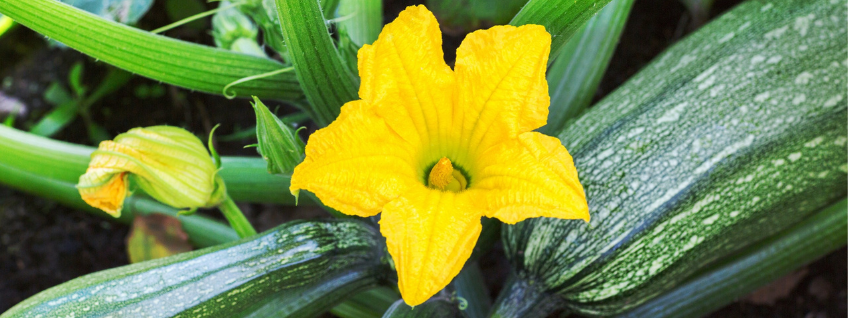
column 444, row 177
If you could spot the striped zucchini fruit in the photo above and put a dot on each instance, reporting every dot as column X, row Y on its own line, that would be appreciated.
column 733, row 134
column 298, row 269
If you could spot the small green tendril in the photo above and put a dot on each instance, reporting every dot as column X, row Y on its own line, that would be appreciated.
column 212, row 147
column 195, row 17
column 463, row 303
column 254, row 77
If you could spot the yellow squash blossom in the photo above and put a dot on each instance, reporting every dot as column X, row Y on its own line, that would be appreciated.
column 436, row 149
column 168, row 163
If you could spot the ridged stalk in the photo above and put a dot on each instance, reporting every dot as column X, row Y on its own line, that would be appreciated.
column 247, row 179
column 172, row 61
column 561, row 18
column 325, row 80
column 576, row 72
column 202, row 231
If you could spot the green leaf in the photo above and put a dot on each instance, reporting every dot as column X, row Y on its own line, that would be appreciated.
column 75, row 80
column 57, row 95
column 561, row 18
column 114, row 80
column 64, row 113
column 577, row 70
column 172, row 61
column 325, row 80
column 278, row 142
column 754, row 267
column 156, row 236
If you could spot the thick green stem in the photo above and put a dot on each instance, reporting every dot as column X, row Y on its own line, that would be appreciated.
column 201, row 230
column 172, row 61
column 524, row 299
column 247, row 178
column 237, row 220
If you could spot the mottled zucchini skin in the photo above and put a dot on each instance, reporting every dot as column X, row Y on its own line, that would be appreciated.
column 733, row 134
column 298, row 269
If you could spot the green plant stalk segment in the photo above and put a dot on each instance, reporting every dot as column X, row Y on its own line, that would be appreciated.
column 247, row 178
column 168, row 60
column 577, row 70
column 754, row 267
column 561, row 18
column 471, row 289
column 325, row 79
column 202, row 230
column 236, row 218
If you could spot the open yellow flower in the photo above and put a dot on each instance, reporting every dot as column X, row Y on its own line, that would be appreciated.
column 436, row 149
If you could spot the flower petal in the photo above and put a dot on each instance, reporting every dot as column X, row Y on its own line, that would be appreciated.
column 502, row 86
column 105, row 189
column 430, row 234
column 356, row 164
column 530, row 176
column 404, row 76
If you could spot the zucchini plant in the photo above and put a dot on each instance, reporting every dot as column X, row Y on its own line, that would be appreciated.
column 695, row 171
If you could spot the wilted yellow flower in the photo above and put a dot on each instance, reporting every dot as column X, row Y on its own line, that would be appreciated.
column 436, row 149
column 168, row 163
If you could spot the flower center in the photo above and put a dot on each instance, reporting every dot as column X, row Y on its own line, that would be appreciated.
column 444, row 177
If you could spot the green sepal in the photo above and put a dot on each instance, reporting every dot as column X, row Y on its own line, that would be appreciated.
column 278, row 143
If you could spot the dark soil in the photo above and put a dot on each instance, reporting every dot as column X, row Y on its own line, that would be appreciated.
column 43, row 244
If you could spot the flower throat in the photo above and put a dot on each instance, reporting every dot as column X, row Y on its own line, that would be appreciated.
column 444, row 177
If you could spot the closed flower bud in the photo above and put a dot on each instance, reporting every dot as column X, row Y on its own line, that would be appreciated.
column 278, row 143
column 168, row 163
column 233, row 30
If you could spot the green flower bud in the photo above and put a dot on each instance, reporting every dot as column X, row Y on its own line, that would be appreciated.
column 230, row 26
column 168, row 163
column 278, row 144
